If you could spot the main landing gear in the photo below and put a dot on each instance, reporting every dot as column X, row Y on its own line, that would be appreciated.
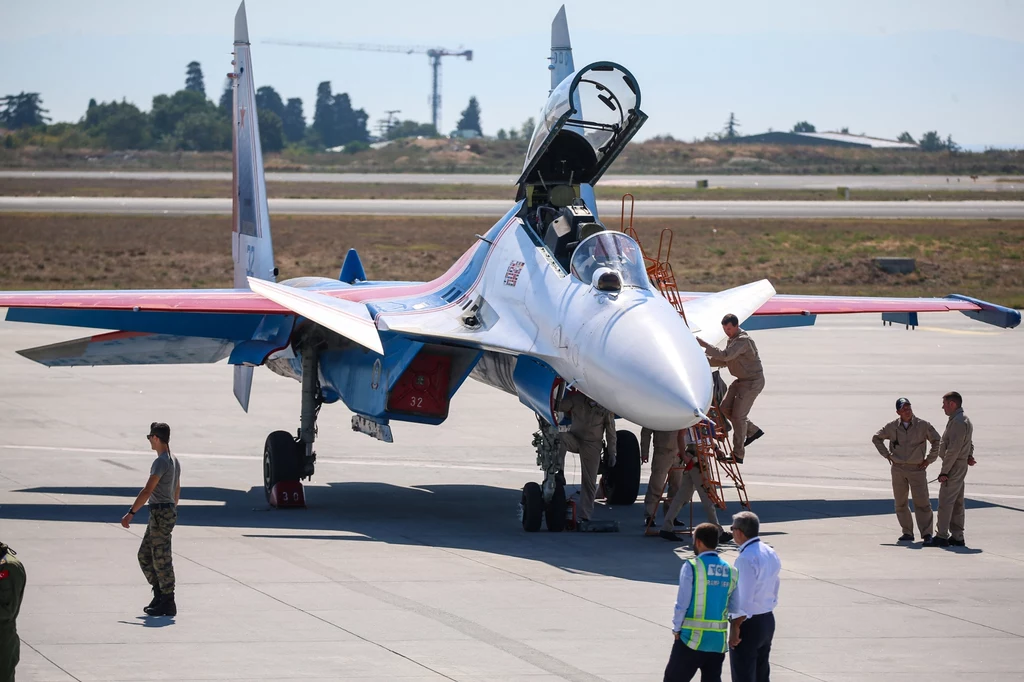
column 546, row 502
column 288, row 459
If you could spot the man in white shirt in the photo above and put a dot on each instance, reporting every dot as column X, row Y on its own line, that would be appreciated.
column 757, row 594
column 700, row 624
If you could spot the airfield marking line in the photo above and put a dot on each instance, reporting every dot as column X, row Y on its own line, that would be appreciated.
column 465, row 467
column 251, row 458
column 48, row 660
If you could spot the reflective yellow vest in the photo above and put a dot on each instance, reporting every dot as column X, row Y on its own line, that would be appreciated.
column 706, row 625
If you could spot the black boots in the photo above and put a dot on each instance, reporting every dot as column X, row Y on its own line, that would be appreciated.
column 156, row 598
column 162, row 605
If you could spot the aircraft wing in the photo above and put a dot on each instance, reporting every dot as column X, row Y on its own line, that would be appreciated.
column 787, row 310
column 209, row 313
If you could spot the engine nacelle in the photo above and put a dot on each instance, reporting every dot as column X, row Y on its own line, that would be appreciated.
column 534, row 382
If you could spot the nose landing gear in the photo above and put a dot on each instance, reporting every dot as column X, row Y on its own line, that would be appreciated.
column 545, row 502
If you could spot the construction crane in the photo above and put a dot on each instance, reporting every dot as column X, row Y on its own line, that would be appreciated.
column 434, row 53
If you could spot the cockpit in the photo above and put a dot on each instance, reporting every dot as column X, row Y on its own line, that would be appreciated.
column 609, row 261
column 588, row 119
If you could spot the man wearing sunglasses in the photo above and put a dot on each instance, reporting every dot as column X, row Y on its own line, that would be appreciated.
column 162, row 491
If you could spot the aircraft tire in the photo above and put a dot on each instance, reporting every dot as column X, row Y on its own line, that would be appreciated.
column 533, row 507
column 554, row 512
column 280, row 460
column 622, row 482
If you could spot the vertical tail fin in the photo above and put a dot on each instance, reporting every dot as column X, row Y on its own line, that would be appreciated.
column 561, row 49
column 251, row 246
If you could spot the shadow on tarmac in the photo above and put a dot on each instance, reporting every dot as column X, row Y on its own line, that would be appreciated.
column 467, row 517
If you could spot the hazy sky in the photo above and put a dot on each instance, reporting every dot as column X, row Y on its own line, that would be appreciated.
column 876, row 66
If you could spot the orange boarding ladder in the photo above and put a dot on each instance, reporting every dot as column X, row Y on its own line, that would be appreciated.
column 712, row 446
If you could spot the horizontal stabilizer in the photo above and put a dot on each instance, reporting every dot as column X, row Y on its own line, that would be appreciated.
column 351, row 320
column 130, row 348
column 704, row 315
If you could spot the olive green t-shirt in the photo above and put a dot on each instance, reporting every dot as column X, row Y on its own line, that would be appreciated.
column 165, row 466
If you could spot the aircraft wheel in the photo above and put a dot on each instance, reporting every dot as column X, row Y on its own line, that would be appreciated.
column 554, row 513
column 280, row 460
column 532, row 504
column 622, row 482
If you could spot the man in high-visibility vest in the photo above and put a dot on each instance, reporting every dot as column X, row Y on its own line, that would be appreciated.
column 707, row 588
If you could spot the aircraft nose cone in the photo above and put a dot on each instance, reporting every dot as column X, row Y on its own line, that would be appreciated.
column 650, row 369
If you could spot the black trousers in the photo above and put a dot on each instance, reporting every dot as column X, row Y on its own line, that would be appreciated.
column 684, row 663
column 749, row 660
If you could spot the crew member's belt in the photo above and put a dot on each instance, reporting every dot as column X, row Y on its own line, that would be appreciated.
column 162, row 505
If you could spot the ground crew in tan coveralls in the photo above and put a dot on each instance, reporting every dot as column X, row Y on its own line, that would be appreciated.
column 666, row 457
column 956, row 450
column 12, row 589
column 162, row 491
column 692, row 480
column 908, row 435
column 590, row 424
column 743, row 362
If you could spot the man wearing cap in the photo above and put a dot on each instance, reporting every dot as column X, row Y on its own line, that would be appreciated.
column 162, row 491
column 743, row 362
column 957, row 453
column 908, row 436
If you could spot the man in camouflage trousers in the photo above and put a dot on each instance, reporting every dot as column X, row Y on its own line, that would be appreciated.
column 162, row 491
column 12, row 588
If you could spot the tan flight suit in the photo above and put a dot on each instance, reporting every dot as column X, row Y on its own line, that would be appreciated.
column 906, row 451
column 692, row 480
column 666, row 456
column 743, row 362
column 590, row 424
column 956, row 448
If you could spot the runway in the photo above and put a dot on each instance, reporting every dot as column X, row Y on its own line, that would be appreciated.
column 973, row 210
column 410, row 562
column 830, row 182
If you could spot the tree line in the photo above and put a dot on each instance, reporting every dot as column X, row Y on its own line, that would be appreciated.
column 188, row 120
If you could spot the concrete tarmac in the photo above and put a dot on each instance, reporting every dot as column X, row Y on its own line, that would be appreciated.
column 410, row 563
column 970, row 210
column 830, row 182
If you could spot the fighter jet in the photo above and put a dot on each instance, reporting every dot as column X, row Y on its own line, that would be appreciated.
column 549, row 298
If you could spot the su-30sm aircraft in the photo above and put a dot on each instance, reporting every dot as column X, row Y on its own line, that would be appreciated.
column 547, row 297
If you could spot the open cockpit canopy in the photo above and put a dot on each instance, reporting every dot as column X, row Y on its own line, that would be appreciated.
column 588, row 119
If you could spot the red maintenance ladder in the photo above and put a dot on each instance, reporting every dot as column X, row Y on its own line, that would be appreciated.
column 714, row 452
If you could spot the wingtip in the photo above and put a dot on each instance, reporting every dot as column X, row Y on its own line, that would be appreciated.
column 241, row 25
